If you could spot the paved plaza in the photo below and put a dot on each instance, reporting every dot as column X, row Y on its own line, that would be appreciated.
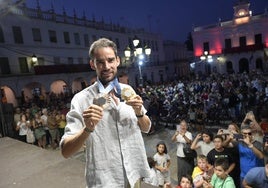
column 28, row 166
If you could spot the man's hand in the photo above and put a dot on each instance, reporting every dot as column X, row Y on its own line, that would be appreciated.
column 136, row 104
column 92, row 116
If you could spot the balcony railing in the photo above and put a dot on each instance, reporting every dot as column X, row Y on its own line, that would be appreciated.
column 241, row 49
column 63, row 68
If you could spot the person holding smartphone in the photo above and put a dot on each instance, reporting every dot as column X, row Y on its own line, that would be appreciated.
column 250, row 151
column 182, row 137
column 254, row 125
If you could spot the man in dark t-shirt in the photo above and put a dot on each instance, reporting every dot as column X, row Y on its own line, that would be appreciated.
column 220, row 152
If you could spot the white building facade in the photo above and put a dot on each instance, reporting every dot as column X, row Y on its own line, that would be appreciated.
column 234, row 46
column 61, row 43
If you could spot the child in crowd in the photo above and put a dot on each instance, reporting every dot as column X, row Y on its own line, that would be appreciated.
column 203, row 142
column 162, row 160
column 220, row 178
column 153, row 179
column 186, row 181
column 201, row 172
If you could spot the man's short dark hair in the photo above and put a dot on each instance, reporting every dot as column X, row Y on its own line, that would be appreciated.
column 101, row 43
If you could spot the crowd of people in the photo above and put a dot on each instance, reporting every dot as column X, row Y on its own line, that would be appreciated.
column 207, row 100
column 46, row 124
column 102, row 120
column 233, row 157
column 188, row 100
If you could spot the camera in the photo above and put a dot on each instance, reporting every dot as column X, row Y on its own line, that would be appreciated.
column 238, row 136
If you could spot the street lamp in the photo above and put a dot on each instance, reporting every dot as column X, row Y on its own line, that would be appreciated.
column 34, row 58
column 208, row 59
column 138, row 55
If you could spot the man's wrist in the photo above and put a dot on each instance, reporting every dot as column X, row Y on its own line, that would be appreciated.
column 87, row 130
column 140, row 114
column 250, row 146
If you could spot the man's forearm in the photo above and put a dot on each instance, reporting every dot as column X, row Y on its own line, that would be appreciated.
column 144, row 123
column 72, row 144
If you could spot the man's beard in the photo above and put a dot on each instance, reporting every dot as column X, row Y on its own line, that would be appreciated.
column 106, row 82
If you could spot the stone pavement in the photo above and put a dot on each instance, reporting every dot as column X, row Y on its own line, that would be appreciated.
column 27, row 166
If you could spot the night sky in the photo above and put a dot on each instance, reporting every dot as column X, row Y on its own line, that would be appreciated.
column 173, row 19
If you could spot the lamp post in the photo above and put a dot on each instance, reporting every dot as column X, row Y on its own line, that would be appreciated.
column 139, row 55
column 208, row 59
column 34, row 58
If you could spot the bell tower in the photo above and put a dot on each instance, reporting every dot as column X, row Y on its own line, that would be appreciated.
column 241, row 9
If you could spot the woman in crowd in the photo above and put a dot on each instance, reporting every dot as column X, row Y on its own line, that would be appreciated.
column 183, row 137
column 39, row 130
column 22, row 126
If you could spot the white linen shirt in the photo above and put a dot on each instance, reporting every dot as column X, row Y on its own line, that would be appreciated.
column 115, row 150
column 181, row 141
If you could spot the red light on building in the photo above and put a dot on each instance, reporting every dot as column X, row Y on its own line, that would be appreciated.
column 198, row 51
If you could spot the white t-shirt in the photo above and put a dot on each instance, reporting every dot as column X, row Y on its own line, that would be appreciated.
column 23, row 127
column 181, row 142
column 204, row 148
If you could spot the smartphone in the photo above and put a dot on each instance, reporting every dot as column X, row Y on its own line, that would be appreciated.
column 225, row 131
column 178, row 127
column 238, row 136
column 265, row 137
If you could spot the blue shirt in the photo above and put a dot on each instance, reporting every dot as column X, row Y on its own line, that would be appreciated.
column 248, row 159
column 256, row 177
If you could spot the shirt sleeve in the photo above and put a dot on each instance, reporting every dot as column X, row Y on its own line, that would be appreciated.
column 213, row 180
column 249, row 178
column 229, row 183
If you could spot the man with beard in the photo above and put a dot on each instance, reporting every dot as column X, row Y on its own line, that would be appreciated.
column 109, row 126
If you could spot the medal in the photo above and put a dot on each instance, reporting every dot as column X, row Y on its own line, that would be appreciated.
column 102, row 101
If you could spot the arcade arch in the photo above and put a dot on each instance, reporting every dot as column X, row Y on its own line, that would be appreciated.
column 8, row 96
column 259, row 64
column 33, row 91
column 59, row 86
column 229, row 67
column 243, row 65
column 79, row 84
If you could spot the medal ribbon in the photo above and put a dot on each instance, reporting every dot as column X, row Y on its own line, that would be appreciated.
column 113, row 85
